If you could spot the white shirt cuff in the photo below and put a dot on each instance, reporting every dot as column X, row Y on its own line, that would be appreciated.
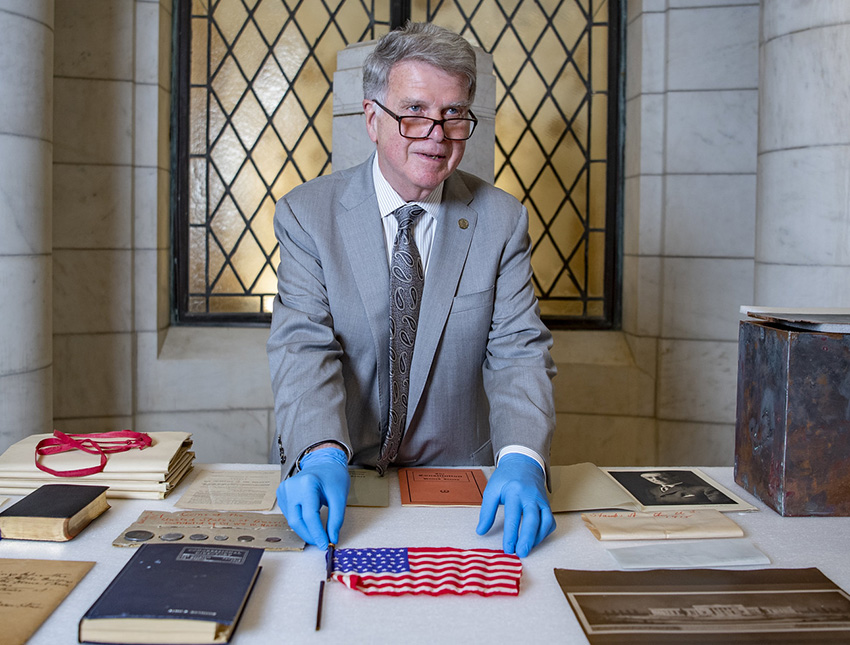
column 528, row 452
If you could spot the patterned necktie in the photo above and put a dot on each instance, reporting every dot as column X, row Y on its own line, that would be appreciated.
column 407, row 280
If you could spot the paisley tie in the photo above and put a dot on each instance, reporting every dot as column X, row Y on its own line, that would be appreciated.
column 407, row 280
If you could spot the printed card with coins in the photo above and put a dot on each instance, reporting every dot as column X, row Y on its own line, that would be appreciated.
column 266, row 530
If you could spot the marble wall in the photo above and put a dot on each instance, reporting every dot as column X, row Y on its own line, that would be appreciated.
column 803, row 225
column 661, row 390
column 689, row 218
column 26, row 148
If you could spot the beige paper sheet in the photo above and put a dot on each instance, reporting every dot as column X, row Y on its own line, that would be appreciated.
column 231, row 490
column 29, row 592
column 661, row 525
column 583, row 487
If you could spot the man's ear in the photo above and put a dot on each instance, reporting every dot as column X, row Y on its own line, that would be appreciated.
column 371, row 120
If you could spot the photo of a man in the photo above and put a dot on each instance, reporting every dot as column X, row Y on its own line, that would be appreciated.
column 670, row 487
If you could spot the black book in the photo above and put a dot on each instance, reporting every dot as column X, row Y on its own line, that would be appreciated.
column 174, row 593
column 53, row 512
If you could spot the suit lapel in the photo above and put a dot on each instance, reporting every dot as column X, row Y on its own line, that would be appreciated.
column 448, row 255
column 363, row 237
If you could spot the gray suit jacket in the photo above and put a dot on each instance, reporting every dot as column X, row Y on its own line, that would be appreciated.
column 481, row 372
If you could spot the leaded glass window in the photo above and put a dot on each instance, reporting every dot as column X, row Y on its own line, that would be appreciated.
column 254, row 120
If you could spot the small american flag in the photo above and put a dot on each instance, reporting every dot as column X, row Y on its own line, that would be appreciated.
column 428, row 571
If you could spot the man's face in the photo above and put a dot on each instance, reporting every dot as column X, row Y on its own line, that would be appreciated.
column 414, row 167
column 659, row 478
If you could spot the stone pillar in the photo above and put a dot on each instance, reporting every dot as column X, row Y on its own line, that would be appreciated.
column 803, row 195
column 351, row 143
column 26, row 156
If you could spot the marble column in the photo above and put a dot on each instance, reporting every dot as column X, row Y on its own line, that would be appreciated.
column 803, row 195
column 26, row 154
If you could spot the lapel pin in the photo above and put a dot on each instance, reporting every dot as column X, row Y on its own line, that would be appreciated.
column 463, row 223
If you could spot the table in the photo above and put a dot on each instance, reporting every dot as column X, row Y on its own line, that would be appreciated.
column 282, row 607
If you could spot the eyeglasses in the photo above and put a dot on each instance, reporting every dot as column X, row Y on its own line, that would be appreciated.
column 421, row 127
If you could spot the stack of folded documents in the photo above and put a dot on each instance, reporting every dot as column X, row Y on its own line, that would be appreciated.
column 151, row 473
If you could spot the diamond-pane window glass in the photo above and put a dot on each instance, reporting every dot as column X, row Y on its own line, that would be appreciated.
column 253, row 121
column 254, row 81
column 557, row 138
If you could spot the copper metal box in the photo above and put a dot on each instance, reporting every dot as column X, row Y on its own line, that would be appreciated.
column 792, row 436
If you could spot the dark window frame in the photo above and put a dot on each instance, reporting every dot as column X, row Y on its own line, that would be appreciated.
column 399, row 11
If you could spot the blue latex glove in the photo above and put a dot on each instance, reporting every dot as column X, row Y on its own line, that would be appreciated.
column 322, row 481
column 519, row 484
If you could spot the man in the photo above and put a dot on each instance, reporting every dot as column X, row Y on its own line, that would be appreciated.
column 673, row 488
column 465, row 374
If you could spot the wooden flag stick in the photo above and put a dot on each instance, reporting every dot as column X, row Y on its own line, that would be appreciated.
column 328, row 571
column 319, row 606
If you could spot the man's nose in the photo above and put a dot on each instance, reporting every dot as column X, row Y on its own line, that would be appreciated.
column 437, row 133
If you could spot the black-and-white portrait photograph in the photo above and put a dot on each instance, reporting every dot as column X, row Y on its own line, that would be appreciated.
column 670, row 487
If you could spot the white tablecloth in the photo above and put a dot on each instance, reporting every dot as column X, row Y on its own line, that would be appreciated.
column 282, row 608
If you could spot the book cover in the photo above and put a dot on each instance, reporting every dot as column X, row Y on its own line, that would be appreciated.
column 174, row 593
column 368, row 488
column 441, row 486
column 53, row 512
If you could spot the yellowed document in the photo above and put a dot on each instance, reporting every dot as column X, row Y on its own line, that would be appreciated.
column 586, row 487
column 154, row 462
column 29, row 592
column 661, row 525
column 368, row 488
column 583, row 487
column 232, row 490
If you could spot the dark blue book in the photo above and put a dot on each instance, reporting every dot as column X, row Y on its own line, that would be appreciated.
column 174, row 593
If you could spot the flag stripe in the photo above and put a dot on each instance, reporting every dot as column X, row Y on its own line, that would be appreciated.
column 428, row 571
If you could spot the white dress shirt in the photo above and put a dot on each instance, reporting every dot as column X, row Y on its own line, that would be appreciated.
column 423, row 234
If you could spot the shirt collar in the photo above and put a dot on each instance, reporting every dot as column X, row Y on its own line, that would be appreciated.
column 389, row 199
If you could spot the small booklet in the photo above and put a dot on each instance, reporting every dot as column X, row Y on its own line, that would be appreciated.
column 174, row 593
column 661, row 525
column 441, row 486
column 368, row 488
column 586, row 487
column 53, row 512
column 29, row 592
